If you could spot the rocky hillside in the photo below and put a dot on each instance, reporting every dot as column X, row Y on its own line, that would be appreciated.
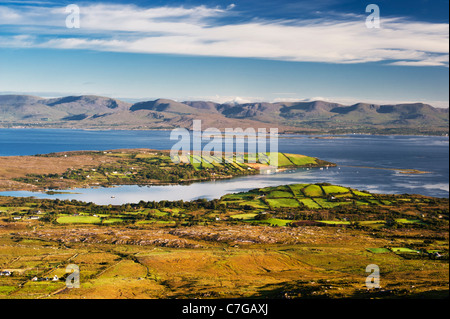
column 305, row 117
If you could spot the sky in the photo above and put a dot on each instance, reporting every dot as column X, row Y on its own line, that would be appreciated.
column 226, row 51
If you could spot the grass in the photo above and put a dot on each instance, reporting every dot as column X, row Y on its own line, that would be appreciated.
column 403, row 250
column 408, row 221
column 372, row 222
column 313, row 191
column 237, row 166
column 378, row 250
column 78, row 220
column 282, row 202
column 158, row 213
column 257, row 204
column 335, row 190
column 358, row 193
column 244, row 216
column 308, row 202
column 274, row 222
column 301, row 160
column 155, row 221
column 238, row 196
column 280, row 194
column 326, row 204
column 234, row 257
column 322, row 262
column 283, row 161
column 263, row 158
column 296, row 189
column 5, row 290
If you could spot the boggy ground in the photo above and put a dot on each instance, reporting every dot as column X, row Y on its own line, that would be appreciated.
column 296, row 241
column 215, row 261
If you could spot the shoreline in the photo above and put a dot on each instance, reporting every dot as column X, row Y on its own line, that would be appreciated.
column 411, row 171
column 281, row 135
column 184, row 182
column 47, row 183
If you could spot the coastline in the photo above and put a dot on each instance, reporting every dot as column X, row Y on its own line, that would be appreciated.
column 284, row 134
column 39, row 178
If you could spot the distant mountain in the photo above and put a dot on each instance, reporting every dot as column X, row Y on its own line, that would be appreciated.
column 204, row 106
column 163, row 105
column 307, row 117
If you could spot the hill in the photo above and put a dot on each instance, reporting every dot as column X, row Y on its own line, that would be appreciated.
column 96, row 112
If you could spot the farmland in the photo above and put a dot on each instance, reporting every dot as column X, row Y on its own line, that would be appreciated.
column 79, row 169
column 290, row 241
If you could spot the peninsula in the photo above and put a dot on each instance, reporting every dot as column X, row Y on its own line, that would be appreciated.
column 81, row 169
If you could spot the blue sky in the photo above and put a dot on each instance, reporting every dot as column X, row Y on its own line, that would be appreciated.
column 228, row 50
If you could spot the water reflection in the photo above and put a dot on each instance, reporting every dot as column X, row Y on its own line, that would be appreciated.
column 347, row 176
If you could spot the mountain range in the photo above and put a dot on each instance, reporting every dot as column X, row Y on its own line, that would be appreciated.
column 96, row 112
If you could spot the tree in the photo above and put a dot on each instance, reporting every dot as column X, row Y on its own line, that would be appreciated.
column 263, row 216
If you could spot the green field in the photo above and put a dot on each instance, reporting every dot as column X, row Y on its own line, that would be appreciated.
column 335, row 190
column 274, row 222
column 158, row 213
column 283, row 161
column 112, row 221
column 257, row 204
column 301, row 160
column 296, row 189
column 280, row 194
column 408, row 221
column 326, row 204
column 313, row 191
column 236, row 247
column 403, row 250
column 379, row 250
column 282, row 202
column 244, row 216
column 238, row 196
column 308, row 202
column 358, row 193
column 78, row 220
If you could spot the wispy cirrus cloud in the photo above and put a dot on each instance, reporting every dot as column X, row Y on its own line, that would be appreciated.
column 203, row 31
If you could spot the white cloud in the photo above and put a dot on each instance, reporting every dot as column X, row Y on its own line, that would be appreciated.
column 222, row 99
column 194, row 31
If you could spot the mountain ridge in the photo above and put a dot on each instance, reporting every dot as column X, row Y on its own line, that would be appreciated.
column 91, row 111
